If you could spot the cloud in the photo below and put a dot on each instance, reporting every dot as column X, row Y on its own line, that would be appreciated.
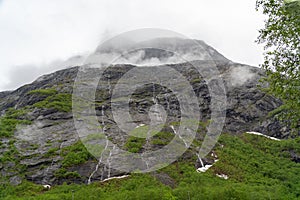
column 152, row 51
column 40, row 31
column 239, row 75
column 19, row 75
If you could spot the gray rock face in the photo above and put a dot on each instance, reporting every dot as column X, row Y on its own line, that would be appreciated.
column 295, row 157
column 40, row 146
column 19, row 98
column 15, row 180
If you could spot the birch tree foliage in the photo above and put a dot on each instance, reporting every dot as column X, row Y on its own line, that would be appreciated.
column 281, row 40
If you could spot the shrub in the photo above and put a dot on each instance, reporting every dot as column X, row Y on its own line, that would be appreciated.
column 134, row 144
column 10, row 120
column 61, row 102
column 46, row 92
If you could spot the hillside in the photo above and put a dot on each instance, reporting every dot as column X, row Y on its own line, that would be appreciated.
column 55, row 132
column 257, row 167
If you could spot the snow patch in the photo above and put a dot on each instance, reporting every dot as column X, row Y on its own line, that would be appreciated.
column 116, row 177
column 260, row 134
column 224, row 176
column 205, row 167
column 140, row 125
column 48, row 187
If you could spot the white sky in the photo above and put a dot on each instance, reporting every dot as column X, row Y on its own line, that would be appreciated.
column 35, row 33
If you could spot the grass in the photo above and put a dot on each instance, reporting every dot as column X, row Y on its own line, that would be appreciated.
column 45, row 92
column 12, row 156
column 13, row 117
column 134, row 144
column 51, row 152
column 162, row 138
column 258, row 168
column 9, row 122
column 73, row 155
column 61, row 102
column 53, row 100
column 64, row 173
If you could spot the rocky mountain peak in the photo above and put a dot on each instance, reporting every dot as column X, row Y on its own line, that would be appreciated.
column 157, row 51
column 37, row 123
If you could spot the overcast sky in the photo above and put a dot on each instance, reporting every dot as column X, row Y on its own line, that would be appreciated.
column 36, row 35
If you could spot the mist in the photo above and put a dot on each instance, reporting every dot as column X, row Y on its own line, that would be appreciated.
column 34, row 33
column 18, row 75
column 239, row 75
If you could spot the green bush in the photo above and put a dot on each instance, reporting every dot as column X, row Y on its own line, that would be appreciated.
column 61, row 102
column 162, row 138
column 63, row 173
column 134, row 144
column 46, row 92
column 9, row 122
column 75, row 154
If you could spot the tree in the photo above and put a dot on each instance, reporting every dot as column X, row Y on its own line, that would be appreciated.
column 281, row 39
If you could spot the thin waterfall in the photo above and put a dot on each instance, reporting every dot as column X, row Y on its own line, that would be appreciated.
column 99, row 163
column 180, row 137
column 105, row 149
column 200, row 160
column 109, row 161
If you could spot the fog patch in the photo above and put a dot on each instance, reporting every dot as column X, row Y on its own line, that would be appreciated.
column 239, row 75
column 141, row 58
column 158, row 51
column 18, row 75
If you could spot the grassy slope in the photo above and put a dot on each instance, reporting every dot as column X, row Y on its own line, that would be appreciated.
column 258, row 168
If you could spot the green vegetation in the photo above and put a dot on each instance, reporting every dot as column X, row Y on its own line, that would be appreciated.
column 162, row 138
column 259, row 161
column 148, row 188
column 282, row 57
column 26, row 189
column 9, row 122
column 73, row 155
column 195, row 80
column 134, row 144
column 258, row 168
column 46, row 92
column 64, row 173
column 94, row 143
column 51, row 152
column 13, row 117
column 8, row 125
column 53, row 99
column 11, row 155
column 61, row 102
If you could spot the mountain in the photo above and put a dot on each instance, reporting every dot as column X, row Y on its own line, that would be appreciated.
column 165, row 50
column 42, row 145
